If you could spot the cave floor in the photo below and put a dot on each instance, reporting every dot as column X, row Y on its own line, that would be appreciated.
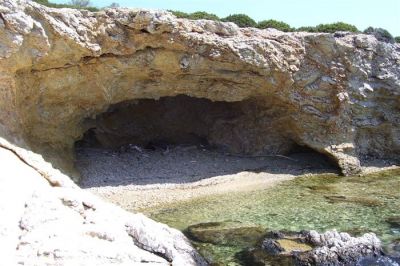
column 137, row 178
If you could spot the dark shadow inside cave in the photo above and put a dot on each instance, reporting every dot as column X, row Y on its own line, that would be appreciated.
column 183, row 139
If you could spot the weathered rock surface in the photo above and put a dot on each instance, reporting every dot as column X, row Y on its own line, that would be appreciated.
column 61, row 68
column 225, row 233
column 312, row 248
column 334, row 248
column 46, row 225
column 338, row 94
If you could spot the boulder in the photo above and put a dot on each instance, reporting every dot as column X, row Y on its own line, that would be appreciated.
column 65, row 225
column 312, row 248
column 225, row 233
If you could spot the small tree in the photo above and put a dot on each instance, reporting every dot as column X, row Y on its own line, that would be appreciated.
column 334, row 27
column 380, row 34
column 241, row 20
column 42, row 2
column 279, row 25
column 179, row 14
column 397, row 39
column 50, row 4
column 114, row 5
column 80, row 3
column 203, row 15
column 307, row 29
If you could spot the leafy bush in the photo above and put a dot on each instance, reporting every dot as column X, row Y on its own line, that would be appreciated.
column 397, row 39
column 380, row 34
column 241, row 20
column 80, row 3
column 203, row 15
column 330, row 28
column 307, row 29
column 334, row 27
column 279, row 25
column 113, row 5
column 179, row 14
column 50, row 4
column 195, row 16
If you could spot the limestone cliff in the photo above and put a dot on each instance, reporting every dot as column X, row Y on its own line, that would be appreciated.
column 338, row 94
column 335, row 93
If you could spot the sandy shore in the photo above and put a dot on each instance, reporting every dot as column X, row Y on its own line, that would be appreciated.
column 138, row 179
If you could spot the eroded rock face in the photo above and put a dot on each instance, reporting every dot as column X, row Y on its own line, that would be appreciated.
column 312, row 248
column 45, row 224
column 334, row 248
column 337, row 94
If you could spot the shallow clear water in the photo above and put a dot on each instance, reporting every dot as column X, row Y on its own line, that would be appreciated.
column 356, row 205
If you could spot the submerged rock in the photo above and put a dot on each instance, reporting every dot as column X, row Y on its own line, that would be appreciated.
column 365, row 201
column 379, row 261
column 394, row 221
column 393, row 249
column 225, row 233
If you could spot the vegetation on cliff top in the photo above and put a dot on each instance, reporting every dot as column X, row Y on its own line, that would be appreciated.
column 243, row 20
column 78, row 4
column 279, row 25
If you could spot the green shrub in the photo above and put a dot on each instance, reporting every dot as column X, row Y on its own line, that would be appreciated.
column 307, row 29
column 397, row 39
column 179, row 14
column 80, row 3
column 380, row 34
column 241, row 20
column 279, row 25
column 203, row 15
column 334, row 27
column 50, row 4
column 195, row 16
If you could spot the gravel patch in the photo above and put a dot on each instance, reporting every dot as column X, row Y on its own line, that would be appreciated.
column 137, row 178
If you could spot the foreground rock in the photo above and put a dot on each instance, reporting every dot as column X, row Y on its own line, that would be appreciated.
column 335, row 93
column 311, row 248
column 333, row 248
column 46, row 225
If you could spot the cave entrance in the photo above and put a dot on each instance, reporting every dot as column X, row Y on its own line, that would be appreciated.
column 169, row 121
column 183, row 139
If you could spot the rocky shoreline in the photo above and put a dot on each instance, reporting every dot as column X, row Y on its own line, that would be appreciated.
column 258, row 246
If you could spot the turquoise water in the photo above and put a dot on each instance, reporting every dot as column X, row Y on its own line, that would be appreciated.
column 356, row 204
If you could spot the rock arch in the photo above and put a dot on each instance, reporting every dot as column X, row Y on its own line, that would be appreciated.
column 316, row 88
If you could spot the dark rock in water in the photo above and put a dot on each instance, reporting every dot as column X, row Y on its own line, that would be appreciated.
column 365, row 201
column 379, row 261
column 272, row 246
column 226, row 233
column 393, row 249
column 258, row 257
column 311, row 248
column 394, row 221
column 279, row 243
